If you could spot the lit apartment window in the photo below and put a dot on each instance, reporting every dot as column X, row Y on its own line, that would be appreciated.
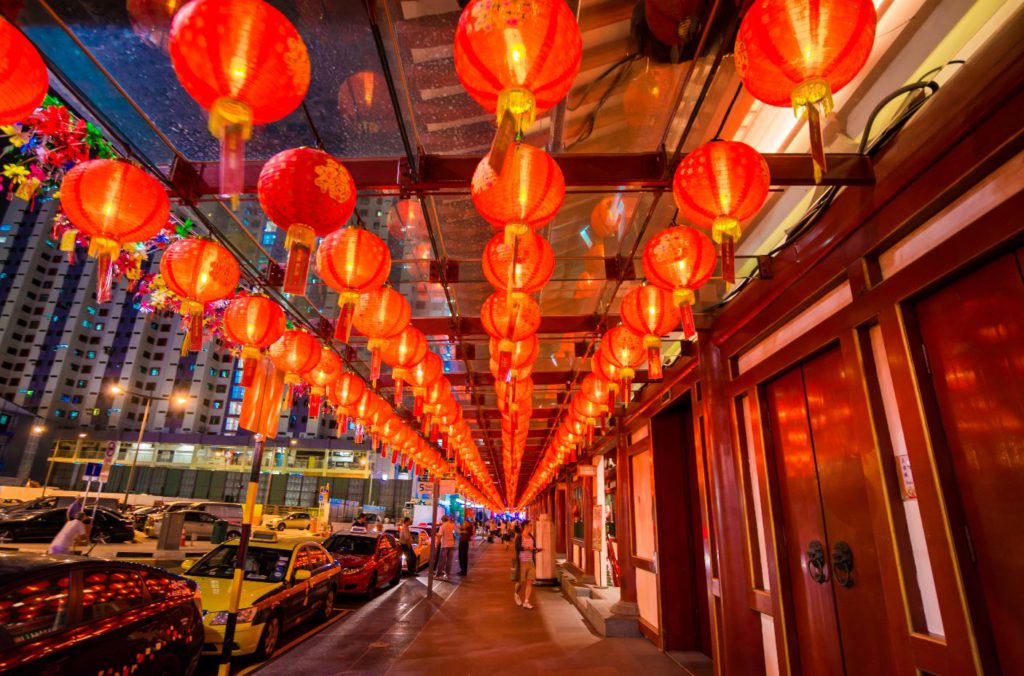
column 73, row 414
column 237, row 392
column 86, row 323
column 218, row 404
column 91, row 354
column 155, row 371
column 230, row 424
column 223, row 374
column 234, row 408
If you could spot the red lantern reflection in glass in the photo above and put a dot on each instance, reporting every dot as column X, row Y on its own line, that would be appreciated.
column 522, row 268
column 23, row 76
column 649, row 312
column 718, row 186
column 245, row 63
column 364, row 103
column 255, row 323
column 295, row 354
column 380, row 315
column 199, row 271
column 625, row 350
column 608, row 217
column 323, row 375
column 798, row 53
column 507, row 321
column 401, row 353
column 680, row 260
column 352, row 261
column 346, row 393
column 115, row 203
column 524, row 196
column 517, row 57
column 310, row 194
column 422, row 376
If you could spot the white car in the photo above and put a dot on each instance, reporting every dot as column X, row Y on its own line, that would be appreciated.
column 296, row 520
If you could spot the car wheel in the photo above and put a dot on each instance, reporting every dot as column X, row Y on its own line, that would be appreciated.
column 232, row 534
column 328, row 605
column 167, row 664
column 6, row 535
column 372, row 586
column 281, row 526
column 270, row 636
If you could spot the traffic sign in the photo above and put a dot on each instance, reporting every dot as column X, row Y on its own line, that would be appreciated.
column 108, row 460
column 424, row 488
column 92, row 471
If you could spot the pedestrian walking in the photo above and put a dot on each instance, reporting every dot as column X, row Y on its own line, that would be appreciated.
column 405, row 540
column 73, row 530
column 525, row 565
column 465, row 538
column 446, row 535
column 74, row 508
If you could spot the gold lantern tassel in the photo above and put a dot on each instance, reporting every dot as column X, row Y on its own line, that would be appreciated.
column 299, row 243
column 685, row 299
column 653, row 345
column 807, row 97
column 231, row 122
column 725, row 231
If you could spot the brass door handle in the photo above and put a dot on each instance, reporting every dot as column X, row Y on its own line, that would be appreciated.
column 816, row 561
column 842, row 564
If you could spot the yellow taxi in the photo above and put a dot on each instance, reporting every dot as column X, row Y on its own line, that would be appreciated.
column 287, row 580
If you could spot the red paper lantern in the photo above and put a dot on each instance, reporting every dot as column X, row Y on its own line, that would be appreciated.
column 625, row 350
column 344, row 395
column 649, row 311
column 598, row 390
column 508, row 320
column 523, row 353
column 381, row 314
column 244, row 62
column 401, row 353
column 608, row 372
column 798, row 53
column 517, row 57
column 352, row 261
column 526, row 193
column 115, row 203
column 718, row 186
column 680, row 259
column 422, row 376
column 199, row 271
column 522, row 268
column 254, row 322
column 673, row 22
column 295, row 354
column 23, row 76
column 310, row 194
column 324, row 374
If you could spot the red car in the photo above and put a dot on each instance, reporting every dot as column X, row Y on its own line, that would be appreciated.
column 368, row 560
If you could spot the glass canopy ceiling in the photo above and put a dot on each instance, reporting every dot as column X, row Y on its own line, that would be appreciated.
column 385, row 99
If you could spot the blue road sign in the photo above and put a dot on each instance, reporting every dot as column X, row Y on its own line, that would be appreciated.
column 92, row 470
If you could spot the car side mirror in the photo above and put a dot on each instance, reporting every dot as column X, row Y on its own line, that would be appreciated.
column 301, row 575
column 187, row 563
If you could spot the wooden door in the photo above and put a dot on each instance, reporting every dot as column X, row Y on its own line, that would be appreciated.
column 973, row 333
column 822, row 447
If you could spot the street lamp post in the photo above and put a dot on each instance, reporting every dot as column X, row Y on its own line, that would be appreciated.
column 118, row 389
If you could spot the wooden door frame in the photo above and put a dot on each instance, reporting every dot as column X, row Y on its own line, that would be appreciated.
column 636, row 448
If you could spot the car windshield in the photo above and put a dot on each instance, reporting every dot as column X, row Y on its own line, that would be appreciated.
column 261, row 564
column 350, row 544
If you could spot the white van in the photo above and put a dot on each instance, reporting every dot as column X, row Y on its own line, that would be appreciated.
column 228, row 511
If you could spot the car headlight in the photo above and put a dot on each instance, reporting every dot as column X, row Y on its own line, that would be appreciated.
column 244, row 615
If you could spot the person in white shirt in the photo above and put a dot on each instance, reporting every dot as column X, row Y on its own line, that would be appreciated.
column 73, row 530
column 446, row 535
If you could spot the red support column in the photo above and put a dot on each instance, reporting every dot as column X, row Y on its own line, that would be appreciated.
column 588, row 529
column 626, row 605
column 739, row 623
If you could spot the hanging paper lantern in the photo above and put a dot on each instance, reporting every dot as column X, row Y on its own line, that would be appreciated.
column 525, row 195
column 648, row 311
column 673, row 22
column 295, row 354
column 365, row 104
column 365, row 412
column 380, row 315
column 115, row 203
column 608, row 217
column 680, row 259
column 310, row 194
column 23, row 76
column 352, row 261
column 522, row 354
column 798, row 53
column 517, row 57
column 522, row 268
column 401, row 353
column 718, row 186
column 245, row 63
column 422, row 376
column 199, row 271
column 345, row 394
column 324, row 374
column 254, row 322
column 598, row 390
column 626, row 350
column 507, row 321
column 608, row 372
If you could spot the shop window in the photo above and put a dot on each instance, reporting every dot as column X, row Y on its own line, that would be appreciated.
column 35, row 609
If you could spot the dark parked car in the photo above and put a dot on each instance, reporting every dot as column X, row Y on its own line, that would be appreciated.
column 52, row 502
column 73, row 615
column 43, row 526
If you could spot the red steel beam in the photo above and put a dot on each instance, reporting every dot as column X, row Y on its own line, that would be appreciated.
column 638, row 171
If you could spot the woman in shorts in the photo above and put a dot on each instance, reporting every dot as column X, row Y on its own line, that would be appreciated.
column 526, row 569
